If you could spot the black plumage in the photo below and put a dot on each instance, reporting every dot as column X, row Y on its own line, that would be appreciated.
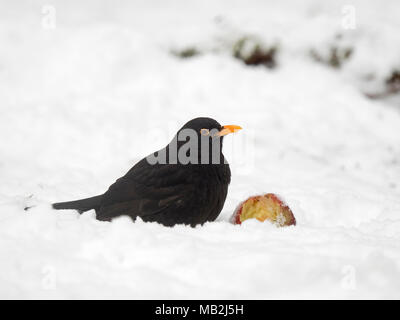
column 171, row 192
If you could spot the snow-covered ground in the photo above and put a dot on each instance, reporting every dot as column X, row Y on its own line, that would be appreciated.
column 82, row 102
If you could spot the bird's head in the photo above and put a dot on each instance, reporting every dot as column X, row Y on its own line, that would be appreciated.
column 199, row 141
column 210, row 128
column 202, row 138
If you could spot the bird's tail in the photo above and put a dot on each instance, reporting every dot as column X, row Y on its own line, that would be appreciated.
column 80, row 205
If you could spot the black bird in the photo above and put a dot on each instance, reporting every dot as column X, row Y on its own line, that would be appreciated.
column 184, row 183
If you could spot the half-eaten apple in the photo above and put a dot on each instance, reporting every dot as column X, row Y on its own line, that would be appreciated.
column 264, row 207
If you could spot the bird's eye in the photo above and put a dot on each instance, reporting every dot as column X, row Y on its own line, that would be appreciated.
column 204, row 132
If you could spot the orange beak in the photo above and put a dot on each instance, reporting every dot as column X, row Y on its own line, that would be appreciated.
column 229, row 129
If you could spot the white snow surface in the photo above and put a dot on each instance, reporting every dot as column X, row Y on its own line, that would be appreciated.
column 82, row 103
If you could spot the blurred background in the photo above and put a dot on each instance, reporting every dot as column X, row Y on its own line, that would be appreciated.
column 88, row 88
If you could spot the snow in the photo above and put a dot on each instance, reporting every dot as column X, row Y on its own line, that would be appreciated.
column 81, row 103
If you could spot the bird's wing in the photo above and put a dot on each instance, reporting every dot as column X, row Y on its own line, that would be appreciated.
column 146, row 190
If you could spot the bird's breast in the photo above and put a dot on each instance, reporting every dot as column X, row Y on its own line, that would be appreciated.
column 212, row 174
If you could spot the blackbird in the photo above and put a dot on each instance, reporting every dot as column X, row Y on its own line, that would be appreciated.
column 184, row 183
